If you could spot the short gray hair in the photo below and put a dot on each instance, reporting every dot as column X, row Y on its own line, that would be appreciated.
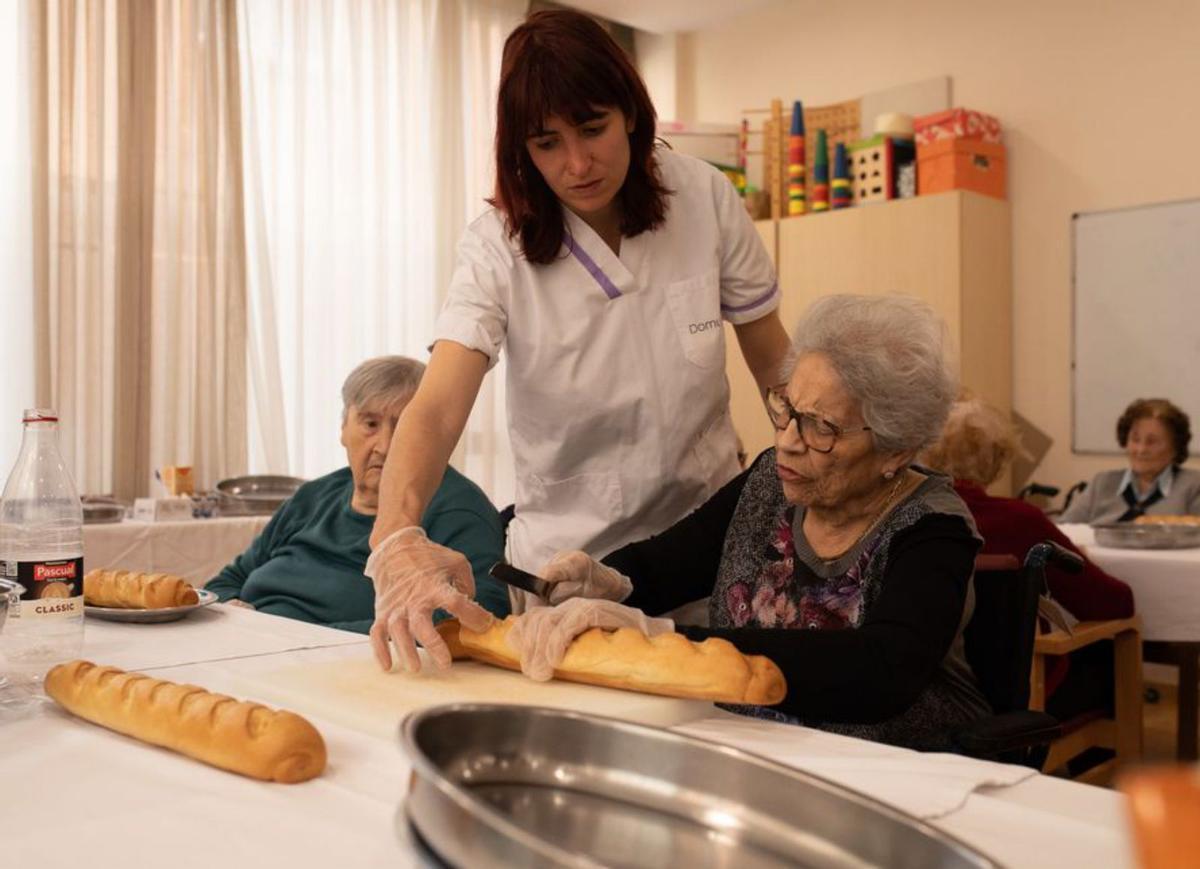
column 889, row 352
column 391, row 378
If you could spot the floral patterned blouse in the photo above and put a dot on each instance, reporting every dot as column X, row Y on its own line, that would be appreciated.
column 870, row 642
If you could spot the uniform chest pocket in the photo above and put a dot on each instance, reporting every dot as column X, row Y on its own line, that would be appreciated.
column 696, row 312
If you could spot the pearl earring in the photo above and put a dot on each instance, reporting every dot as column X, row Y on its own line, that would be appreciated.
column 887, row 475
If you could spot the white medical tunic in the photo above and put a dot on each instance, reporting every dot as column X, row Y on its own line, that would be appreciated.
column 618, row 405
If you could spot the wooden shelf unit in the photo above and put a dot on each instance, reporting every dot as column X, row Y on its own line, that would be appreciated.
column 951, row 249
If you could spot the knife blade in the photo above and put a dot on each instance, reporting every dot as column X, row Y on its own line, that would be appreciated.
column 521, row 579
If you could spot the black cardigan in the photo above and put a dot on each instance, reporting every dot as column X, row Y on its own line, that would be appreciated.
column 864, row 675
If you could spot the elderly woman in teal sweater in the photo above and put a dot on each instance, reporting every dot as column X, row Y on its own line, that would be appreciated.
column 308, row 562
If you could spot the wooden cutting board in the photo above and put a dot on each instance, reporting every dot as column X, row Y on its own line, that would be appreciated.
column 355, row 693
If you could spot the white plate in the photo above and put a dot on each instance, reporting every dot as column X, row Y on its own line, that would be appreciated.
column 167, row 614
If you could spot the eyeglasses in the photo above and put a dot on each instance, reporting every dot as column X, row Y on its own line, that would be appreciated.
column 816, row 433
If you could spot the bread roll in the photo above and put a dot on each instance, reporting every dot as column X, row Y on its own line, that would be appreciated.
column 242, row 737
column 669, row 664
column 127, row 590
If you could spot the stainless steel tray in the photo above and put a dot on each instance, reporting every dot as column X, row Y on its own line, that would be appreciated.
column 255, row 495
column 1152, row 535
column 497, row 785
column 96, row 513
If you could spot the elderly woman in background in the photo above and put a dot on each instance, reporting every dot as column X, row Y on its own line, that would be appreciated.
column 1155, row 434
column 308, row 562
column 976, row 445
column 832, row 554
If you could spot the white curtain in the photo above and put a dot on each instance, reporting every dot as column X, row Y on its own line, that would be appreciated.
column 138, row 256
column 16, row 242
column 367, row 131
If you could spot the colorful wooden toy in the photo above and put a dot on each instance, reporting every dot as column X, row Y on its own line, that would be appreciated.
column 875, row 167
column 743, row 149
column 796, row 162
column 821, row 174
column 839, row 196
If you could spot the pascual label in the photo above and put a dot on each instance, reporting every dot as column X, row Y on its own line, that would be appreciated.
column 53, row 589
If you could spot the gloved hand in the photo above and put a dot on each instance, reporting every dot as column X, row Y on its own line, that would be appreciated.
column 577, row 574
column 542, row 634
column 414, row 576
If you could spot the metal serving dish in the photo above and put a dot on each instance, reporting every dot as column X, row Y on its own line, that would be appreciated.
column 102, row 512
column 499, row 786
column 1152, row 535
column 256, row 495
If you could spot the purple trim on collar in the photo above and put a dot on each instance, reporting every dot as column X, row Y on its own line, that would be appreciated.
column 610, row 289
column 737, row 309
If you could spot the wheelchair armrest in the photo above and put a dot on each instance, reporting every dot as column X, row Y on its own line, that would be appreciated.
column 1083, row 634
column 1049, row 552
column 1007, row 732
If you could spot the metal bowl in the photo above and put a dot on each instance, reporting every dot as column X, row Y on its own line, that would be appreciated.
column 1151, row 535
column 498, row 786
column 260, row 494
column 101, row 513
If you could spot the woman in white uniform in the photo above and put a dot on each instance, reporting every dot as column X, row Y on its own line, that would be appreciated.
column 604, row 270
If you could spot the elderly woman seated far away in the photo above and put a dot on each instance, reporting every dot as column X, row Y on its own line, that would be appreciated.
column 308, row 562
column 1155, row 435
column 833, row 554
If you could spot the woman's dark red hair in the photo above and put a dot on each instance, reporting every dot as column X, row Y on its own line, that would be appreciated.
column 561, row 62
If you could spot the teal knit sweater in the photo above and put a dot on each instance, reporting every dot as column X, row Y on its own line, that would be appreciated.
column 307, row 563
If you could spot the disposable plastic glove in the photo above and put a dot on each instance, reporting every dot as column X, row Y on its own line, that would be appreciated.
column 413, row 577
column 577, row 574
column 542, row 634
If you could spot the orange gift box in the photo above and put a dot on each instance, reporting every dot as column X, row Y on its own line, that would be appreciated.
column 961, row 164
column 956, row 124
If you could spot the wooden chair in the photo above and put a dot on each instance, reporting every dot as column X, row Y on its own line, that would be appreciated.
column 1004, row 648
column 1120, row 731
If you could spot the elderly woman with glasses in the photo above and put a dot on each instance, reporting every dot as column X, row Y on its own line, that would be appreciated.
column 833, row 554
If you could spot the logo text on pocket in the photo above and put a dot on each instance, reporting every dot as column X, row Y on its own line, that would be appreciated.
column 695, row 328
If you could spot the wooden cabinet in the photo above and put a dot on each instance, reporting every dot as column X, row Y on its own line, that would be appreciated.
column 952, row 249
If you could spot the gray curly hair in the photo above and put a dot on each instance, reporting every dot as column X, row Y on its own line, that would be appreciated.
column 889, row 352
column 392, row 377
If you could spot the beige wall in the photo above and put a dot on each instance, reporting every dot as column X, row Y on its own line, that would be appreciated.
column 1084, row 90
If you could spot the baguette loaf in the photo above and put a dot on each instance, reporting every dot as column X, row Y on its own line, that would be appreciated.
column 128, row 590
column 669, row 664
column 242, row 737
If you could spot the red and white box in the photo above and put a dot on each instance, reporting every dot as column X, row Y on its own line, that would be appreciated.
column 956, row 124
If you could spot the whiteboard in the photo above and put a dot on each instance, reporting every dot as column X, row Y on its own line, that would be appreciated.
column 1136, row 316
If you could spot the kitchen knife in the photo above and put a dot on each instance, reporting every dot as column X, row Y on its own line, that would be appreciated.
column 521, row 579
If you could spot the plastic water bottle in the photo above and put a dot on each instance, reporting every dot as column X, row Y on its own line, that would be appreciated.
column 41, row 547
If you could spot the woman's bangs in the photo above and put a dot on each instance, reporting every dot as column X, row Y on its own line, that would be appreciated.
column 567, row 91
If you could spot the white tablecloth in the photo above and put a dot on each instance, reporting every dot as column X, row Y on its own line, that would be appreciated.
column 195, row 550
column 1165, row 583
column 91, row 797
column 213, row 633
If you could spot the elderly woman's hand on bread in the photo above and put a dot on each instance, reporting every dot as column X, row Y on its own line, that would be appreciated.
column 577, row 574
column 542, row 635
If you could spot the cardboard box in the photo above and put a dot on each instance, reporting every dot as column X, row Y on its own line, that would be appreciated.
column 956, row 124
column 962, row 164
column 162, row 509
